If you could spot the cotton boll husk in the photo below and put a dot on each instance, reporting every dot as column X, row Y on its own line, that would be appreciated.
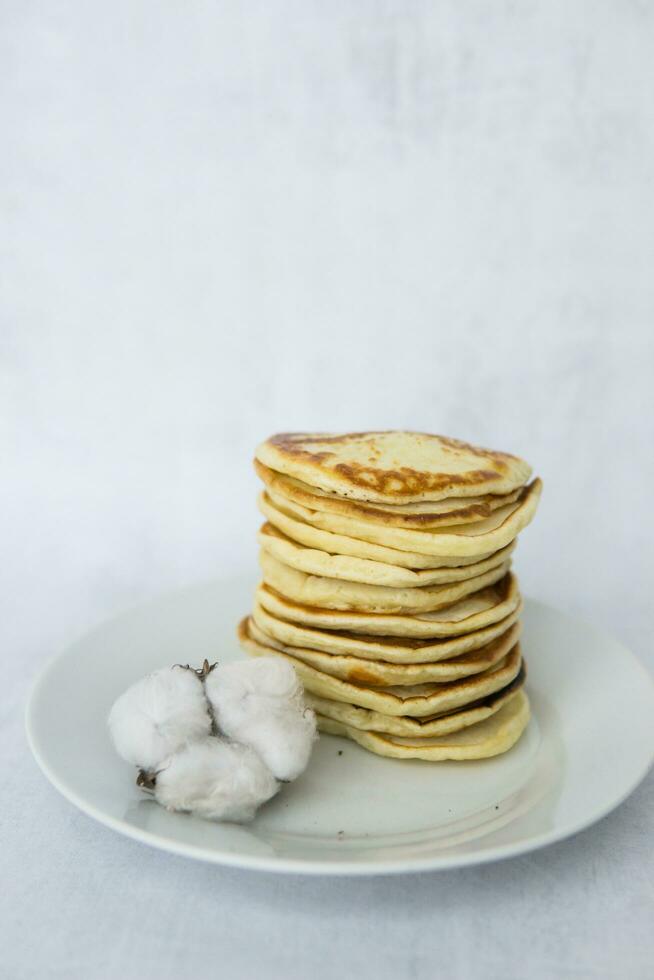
column 215, row 779
column 260, row 703
column 159, row 715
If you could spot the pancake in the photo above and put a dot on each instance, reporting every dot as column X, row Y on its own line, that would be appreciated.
column 487, row 738
column 340, row 544
column 397, row 650
column 332, row 593
column 387, row 585
column 443, row 724
column 392, row 467
column 421, row 516
column 417, row 700
column 384, row 673
column 487, row 606
column 467, row 540
column 315, row 562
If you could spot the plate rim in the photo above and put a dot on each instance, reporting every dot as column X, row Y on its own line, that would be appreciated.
column 302, row 866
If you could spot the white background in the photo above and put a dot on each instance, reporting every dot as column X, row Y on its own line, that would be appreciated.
column 223, row 219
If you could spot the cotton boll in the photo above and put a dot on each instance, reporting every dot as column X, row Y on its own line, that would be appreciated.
column 260, row 703
column 215, row 779
column 158, row 715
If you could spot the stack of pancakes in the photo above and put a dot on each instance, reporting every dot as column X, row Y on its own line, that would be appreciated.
column 386, row 562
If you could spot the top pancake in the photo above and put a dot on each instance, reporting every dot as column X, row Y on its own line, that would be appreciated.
column 393, row 467
column 422, row 516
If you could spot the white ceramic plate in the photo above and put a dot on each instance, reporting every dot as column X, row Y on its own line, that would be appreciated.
column 589, row 744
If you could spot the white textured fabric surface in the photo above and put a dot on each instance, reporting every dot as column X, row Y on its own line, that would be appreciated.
column 219, row 220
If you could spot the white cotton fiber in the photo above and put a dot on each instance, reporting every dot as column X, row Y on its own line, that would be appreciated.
column 260, row 702
column 158, row 715
column 215, row 779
